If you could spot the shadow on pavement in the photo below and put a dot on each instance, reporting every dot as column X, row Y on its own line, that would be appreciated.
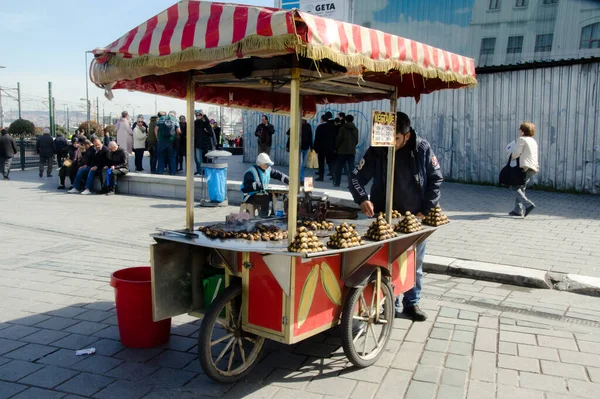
column 38, row 352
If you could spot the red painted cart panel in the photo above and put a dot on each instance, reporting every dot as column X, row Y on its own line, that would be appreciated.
column 265, row 296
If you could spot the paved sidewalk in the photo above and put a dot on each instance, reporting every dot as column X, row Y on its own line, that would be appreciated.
column 482, row 340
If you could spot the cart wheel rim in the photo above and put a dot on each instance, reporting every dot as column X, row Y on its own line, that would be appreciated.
column 371, row 333
column 233, row 351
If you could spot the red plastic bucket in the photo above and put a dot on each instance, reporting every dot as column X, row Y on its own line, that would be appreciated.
column 133, row 298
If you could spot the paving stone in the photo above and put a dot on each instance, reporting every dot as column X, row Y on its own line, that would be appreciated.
column 48, row 377
column 408, row 356
column 506, row 391
column 107, row 347
column 427, row 373
column 563, row 370
column 585, row 359
column 518, row 363
column 44, row 337
column 173, row 359
column 421, row 390
column 538, row 352
column 364, row 390
column 57, row 323
column 583, row 389
column 38, row 393
column 543, row 382
column 93, row 315
column 285, row 360
column 508, row 377
column 483, row 367
column 30, row 352
column 486, row 340
column 86, row 328
column 61, row 358
column 463, row 336
column 488, row 322
column 436, row 345
column 433, row 358
column 250, row 390
column 138, row 354
column 185, row 330
column 460, row 348
column 178, row 343
column 169, row 378
column 419, row 332
column 8, row 345
column 589, row 347
column 132, row 371
column 123, row 389
column 457, row 378
column 394, row 384
column 440, row 333
column 161, row 393
column 594, row 374
column 8, row 389
column 85, row 384
column 16, row 331
column 450, row 392
column 75, row 342
column 448, row 312
column 507, row 348
column 98, row 364
column 369, row 374
column 518, row 338
column 482, row 390
column 17, row 369
column 111, row 332
column 467, row 315
column 284, row 393
column 558, row 343
column 297, row 380
column 458, row 362
column 67, row 311
column 316, row 349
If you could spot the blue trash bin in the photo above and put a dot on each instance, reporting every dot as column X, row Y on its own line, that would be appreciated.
column 216, row 180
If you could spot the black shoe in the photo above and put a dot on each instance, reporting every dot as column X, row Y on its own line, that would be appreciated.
column 513, row 213
column 70, row 188
column 335, row 185
column 61, row 187
column 110, row 193
column 41, row 175
column 6, row 178
column 49, row 176
column 319, row 179
column 529, row 209
column 414, row 313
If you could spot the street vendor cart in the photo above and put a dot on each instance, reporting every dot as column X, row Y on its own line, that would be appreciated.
column 287, row 290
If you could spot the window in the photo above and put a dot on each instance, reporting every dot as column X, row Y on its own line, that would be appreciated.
column 550, row 1
column 486, row 55
column 522, row 3
column 515, row 45
column 590, row 36
column 543, row 43
column 494, row 4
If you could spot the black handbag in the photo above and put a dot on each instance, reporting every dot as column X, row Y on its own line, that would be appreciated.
column 512, row 175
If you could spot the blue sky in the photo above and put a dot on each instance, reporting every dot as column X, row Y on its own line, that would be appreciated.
column 46, row 40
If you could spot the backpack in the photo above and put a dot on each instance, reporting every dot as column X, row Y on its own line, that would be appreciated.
column 166, row 130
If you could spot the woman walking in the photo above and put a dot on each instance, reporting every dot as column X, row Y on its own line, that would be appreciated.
column 124, row 133
column 140, row 134
column 525, row 149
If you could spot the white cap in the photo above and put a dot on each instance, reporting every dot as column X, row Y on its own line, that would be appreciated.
column 264, row 158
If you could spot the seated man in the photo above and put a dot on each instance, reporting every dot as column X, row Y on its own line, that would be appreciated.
column 99, row 160
column 118, row 165
column 73, row 156
column 256, row 183
column 87, row 155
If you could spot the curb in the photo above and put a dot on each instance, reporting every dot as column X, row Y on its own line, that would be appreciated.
column 514, row 275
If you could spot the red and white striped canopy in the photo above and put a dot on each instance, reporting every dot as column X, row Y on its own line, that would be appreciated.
column 196, row 35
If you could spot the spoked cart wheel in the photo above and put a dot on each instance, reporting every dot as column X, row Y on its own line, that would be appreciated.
column 226, row 352
column 364, row 338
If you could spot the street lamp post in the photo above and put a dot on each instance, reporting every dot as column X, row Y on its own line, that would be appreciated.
column 88, row 106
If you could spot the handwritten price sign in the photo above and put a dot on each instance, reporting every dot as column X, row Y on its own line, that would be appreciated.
column 383, row 132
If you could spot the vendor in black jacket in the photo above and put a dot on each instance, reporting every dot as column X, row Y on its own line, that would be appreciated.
column 118, row 165
column 417, row 181
column 256, row 182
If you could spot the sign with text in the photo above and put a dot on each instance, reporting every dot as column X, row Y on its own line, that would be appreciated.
column 308, row 184
column 335, row 9
column 383, row 131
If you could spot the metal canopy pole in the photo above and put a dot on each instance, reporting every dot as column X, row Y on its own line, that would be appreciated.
column 189, row 156
column 389, row 189
column 295, row 113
